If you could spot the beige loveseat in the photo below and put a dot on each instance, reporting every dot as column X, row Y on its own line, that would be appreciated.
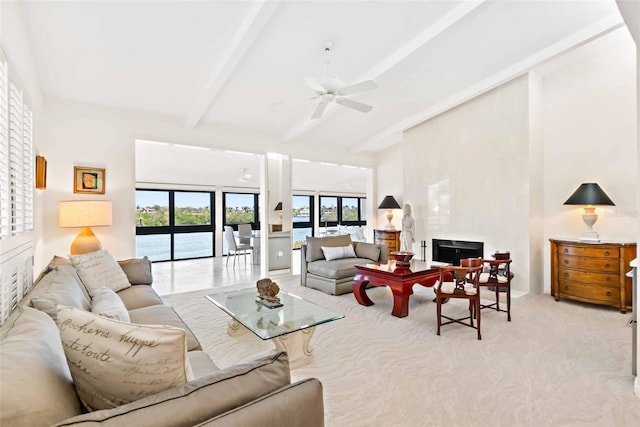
column 335, row 276
column 37, row 389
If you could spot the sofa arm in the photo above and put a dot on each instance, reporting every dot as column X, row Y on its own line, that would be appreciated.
column 303, row 265
column 384, row 254
column 297, row 405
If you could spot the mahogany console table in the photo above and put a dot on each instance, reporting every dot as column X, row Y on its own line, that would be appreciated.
column 399, row 279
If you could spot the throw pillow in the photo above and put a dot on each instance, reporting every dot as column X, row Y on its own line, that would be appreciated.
column 338, row 252
column 107, row 303
column 113, row 363
column 138, row 270
column 368, row 250
column 97, row 269
column 314, row 245
column 58, row 288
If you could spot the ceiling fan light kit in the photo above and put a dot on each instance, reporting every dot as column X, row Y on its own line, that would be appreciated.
column 332, row 89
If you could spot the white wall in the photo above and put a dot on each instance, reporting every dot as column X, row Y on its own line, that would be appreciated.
column 589, row 116
column 468, row 173
column 87, row 135
column 389, row 176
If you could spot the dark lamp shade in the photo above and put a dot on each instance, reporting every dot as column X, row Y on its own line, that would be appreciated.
column 589, row 194
column 389, row 203
column 278, row 207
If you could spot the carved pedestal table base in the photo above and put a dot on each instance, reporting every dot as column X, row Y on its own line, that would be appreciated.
column 296, row 344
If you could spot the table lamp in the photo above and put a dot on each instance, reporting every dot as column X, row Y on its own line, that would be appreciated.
column 389, row 203
column 85, row 214
column 588, row 195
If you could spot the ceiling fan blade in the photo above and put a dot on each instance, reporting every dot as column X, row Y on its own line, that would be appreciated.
column 313, row 84
column 358, row 87
column 317, row 113
column 354, row 104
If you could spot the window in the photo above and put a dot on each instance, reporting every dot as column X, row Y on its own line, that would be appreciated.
column 302, row 216
column 16, row 193
column 172, row 225
column 336, row 210
column 240, row 208
column 16, row 159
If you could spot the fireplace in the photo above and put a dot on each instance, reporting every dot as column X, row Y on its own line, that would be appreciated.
column 452, row 251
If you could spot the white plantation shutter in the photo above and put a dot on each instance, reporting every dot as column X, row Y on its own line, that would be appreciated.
column 16, row 160
column 16, row 193
column 4, row 149
column 28, row 161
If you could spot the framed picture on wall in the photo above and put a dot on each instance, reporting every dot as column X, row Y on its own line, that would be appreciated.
column 88, row 180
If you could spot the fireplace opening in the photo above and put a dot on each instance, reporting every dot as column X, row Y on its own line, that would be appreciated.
column 452, row 251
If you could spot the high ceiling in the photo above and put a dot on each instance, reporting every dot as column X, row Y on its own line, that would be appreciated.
column 242, row 64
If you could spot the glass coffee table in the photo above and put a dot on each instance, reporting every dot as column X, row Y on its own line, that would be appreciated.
column 290, row 326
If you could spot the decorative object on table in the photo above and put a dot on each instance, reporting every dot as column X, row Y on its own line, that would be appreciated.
column 402, row 258
column 85, row 214
column 41, row 173
column 267, row 291
column 88, row 180
column 408, row 229
column 389, row 203
column 588, row 195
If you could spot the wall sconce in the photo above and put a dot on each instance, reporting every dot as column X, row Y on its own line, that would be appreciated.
column 85, row 214
column 588, row 195
column 41, row 173
column 389, row 203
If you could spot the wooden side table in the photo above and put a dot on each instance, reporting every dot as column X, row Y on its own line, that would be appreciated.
column 389, row 238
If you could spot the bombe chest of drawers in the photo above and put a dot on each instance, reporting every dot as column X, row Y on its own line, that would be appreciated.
column 592, row 272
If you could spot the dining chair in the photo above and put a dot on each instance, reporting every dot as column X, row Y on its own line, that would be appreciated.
column 497, row 277
column 244, row 233
column 233, row 247
column 464, row 285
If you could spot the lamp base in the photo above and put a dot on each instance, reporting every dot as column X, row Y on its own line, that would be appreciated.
column 590, row 236
column 390, row 227
column 85, row 242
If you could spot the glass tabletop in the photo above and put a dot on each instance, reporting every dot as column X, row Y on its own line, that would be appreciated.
column 295, row 314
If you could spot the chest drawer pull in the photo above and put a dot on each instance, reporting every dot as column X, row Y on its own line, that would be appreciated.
column 566, row 261
column 606, row 253
column 566, row 251
column 608, row 293
column 566, row 275
column 607, row 266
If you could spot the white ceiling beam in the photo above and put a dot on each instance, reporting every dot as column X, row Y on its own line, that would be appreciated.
column 248, row 31
column 387, row 137
column 391, row 61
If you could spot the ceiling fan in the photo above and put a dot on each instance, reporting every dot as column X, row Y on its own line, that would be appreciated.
column 330, row 88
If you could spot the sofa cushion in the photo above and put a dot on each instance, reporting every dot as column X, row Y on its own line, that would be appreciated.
column 97, row 269
column 64, row 264
column 201, row 364
column 315, row 244
column 138, row 296
column 368, row 250
column 336, row 269
column 36, row 388
column 200, row 399
column 138, row 270
column 338, row 252
column 113, row 363
column 58, row 287
column 164, row 315
column 107, row 303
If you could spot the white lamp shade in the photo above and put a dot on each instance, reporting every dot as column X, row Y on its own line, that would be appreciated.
column 84, row 213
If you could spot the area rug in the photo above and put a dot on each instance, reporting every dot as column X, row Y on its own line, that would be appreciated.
column 555, row 364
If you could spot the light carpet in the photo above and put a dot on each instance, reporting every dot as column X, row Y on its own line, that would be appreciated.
column 555, row 364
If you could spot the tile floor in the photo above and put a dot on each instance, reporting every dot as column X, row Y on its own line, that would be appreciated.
column 172, row 277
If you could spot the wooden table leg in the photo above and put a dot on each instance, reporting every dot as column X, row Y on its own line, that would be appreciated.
column 400, row 301
column 359, row 291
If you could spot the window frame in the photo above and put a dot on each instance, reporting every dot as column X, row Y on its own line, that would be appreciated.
column 255, row 224
column 340, row 220
column 172, row 229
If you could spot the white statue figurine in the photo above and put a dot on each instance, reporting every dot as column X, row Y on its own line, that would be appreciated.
column 408, row 229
